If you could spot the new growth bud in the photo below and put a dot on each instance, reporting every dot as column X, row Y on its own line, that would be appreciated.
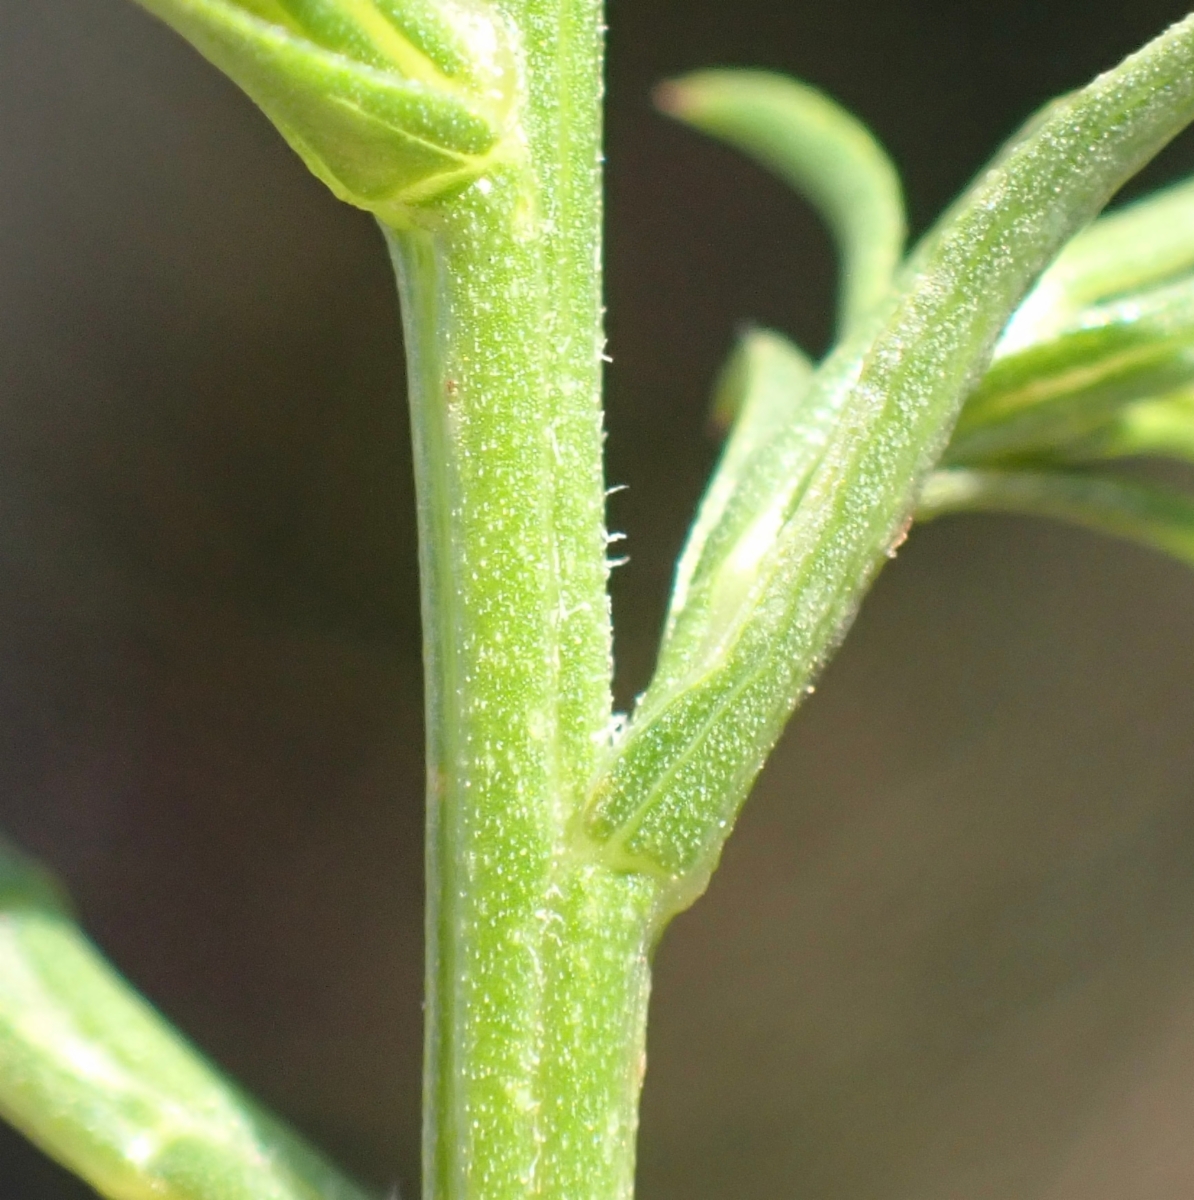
column 392, row 103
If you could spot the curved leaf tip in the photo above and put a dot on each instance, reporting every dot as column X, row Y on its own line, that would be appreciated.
column 822, row 151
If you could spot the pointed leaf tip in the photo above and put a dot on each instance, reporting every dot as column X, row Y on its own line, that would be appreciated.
column 821, row 150
column 671, row 98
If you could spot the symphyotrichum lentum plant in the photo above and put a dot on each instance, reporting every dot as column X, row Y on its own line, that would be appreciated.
column 563, row 836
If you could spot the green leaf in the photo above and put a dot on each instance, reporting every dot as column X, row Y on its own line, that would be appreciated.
column 420, row 39
column 1135, row 248
column 1162, row 427
column 819, row 148
column 773, row 441
column 392, row 103
column 675, row 781
column 1039, row 399
column 93, row 1075
column 1152, row 516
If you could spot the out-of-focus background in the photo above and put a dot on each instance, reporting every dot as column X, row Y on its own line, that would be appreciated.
column 950, row 953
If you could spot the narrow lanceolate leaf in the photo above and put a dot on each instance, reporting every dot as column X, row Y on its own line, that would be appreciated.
column 1137, row 247
column 100, row 1081
column 676, row 780
column 391, row 103
column 1156, row 517
column 1049, row 394
column 774, row 439
column 1162, row 427
column 824, row 152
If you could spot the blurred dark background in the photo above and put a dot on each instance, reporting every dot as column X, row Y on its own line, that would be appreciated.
column 950, row 952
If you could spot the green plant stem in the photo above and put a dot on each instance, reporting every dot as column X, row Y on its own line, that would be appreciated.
column 471, row 129
column 537, row 960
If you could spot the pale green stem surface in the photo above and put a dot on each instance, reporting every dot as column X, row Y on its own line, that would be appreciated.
column 537, row 959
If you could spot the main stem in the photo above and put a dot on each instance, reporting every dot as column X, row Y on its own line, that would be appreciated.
column 537, row 972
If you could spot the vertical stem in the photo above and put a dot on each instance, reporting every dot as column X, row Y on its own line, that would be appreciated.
column 537, row 960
